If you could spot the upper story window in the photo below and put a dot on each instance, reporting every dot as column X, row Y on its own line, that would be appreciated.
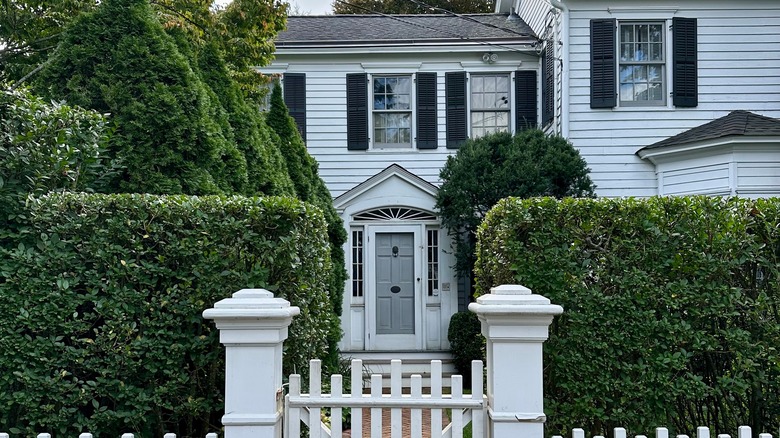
column 404, row 111
column 642, row 63
column 490, row 108
column 392, row 111
column 629, row 63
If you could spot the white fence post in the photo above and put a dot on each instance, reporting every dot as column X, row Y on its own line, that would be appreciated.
column 252, row 326
column 515, row 323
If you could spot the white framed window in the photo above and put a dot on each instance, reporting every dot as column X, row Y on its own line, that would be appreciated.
column 489, row 103
column 432, row 246
column 642, row 63
column 358, row 273
column 392, row 111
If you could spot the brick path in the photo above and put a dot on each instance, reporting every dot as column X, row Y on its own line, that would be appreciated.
column 405, row 422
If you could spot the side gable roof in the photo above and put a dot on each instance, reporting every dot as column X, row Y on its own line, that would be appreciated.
column 736, row 123
column 350, row 29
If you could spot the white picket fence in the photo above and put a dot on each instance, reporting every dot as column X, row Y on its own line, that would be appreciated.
column 307, row 408
column 662, row 432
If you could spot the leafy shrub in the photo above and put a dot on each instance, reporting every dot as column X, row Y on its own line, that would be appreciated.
column 466, row 342
column 46, row 146
column 102, row 302
column 488, row 169
column 670, row 307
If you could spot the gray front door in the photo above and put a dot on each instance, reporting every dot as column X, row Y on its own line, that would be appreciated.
column 395, row 283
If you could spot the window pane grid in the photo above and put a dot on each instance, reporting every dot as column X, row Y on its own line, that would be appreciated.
column 392, row 110
column 489, row 104
column 641, row 71
column 433, row 262
column 357, row 263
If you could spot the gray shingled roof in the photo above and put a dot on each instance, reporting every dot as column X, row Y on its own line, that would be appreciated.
column 739, row 122
column 384, row 29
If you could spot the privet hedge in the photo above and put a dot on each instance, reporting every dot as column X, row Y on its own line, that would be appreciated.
column 102, row 301
column 671, row 307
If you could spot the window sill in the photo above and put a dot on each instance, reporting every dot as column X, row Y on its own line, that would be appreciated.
column 405, row 150
column 636, row 109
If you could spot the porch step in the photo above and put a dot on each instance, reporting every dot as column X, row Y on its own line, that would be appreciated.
column 412, row 362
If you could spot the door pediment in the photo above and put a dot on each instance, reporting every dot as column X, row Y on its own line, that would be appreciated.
column 394, row 186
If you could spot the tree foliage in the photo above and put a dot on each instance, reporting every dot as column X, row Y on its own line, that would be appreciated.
column 311, row 188
column 490, row 168
column 671, row 308
column 267, row 171
column 31, row 29
column 119, row 60
column 46, row 146
column 244, row 31
column 413, row 7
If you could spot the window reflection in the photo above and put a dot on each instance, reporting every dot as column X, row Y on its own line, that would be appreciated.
column 641, row 71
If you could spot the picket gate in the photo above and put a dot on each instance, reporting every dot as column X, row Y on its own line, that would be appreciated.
column 307, row 408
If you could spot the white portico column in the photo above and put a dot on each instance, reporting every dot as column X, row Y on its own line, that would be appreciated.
column 252, row 326
column 515, row 323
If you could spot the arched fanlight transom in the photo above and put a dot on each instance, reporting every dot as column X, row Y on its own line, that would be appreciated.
column 395, row 213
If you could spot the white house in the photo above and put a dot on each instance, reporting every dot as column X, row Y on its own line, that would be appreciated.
column 645, row 91
column 382, row 101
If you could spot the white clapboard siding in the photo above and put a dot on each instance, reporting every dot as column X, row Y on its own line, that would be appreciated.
column 326, row 105
column 662, row 432
column 738, row 65
column 307, row 408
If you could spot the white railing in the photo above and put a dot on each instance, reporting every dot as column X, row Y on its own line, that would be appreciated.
column 89, row 435
column 662, row 432
column 463, row 408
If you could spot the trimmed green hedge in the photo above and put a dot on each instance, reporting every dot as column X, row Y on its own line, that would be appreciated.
column 671, row 307
column 102, row 303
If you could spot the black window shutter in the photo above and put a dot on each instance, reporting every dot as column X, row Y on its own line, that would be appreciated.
column 427, row 126
column 525, row 100
column 455, row 95
column 603, row 88
column 357, row 111
column 295, row 98
column 684, row 62
column 548, row 85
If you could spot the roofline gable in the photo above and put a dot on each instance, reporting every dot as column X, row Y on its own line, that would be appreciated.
column 394, row 170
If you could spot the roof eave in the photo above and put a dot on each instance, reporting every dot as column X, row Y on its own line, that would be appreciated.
column 655, row 153
column 399, row 43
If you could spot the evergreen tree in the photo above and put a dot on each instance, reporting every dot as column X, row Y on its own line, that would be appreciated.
column 169, row 136
column 265, row 165
column 300, row 165
column 310, row 188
